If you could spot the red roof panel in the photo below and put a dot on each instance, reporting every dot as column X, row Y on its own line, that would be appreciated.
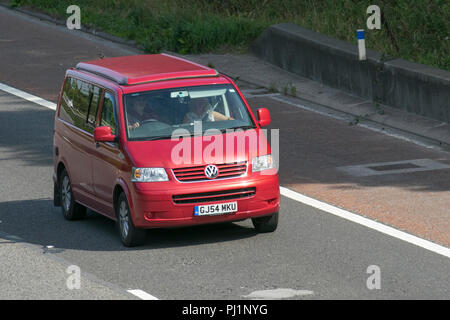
column 129, row 70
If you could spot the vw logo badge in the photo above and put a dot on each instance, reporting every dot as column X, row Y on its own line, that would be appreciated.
column 211, row 171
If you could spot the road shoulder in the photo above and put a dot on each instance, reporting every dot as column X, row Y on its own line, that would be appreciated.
column 30, row 272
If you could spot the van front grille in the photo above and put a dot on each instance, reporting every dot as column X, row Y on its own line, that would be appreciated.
column 214, row 196
column 197, row 173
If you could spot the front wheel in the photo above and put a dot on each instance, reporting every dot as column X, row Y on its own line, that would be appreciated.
column 129, row 234
column 266, row 224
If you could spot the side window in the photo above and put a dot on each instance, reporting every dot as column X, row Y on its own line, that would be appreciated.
column 94, row 97
column 66, row 111
column 108, row 117
column 79, row 104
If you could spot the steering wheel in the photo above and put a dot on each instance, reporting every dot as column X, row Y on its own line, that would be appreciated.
column 143, row 122
column 147, row 121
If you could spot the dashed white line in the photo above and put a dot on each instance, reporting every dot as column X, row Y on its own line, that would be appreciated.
column 275, row 294
column 142, row 294
column 431, row 246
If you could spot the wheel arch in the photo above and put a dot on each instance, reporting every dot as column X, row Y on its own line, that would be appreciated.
column 120, row 187
column 61, row 166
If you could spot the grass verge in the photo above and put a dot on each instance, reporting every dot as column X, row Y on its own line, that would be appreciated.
column 415, row 30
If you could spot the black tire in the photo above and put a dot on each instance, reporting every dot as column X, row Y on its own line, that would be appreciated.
column 129, row 234
column 56, row 196
column 266, row 224
column 71, row 210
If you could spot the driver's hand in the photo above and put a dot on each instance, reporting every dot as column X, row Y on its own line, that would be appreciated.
column 135, row 125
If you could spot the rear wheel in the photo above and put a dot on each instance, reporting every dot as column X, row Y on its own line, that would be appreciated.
column 266, row 224
column 129, row 234
column 56, row 196
column 70, row 209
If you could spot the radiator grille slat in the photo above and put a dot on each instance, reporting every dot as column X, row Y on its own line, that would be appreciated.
column 197, row 173
column 214, row 196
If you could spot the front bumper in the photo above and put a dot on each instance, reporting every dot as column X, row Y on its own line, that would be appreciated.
column 157, row 208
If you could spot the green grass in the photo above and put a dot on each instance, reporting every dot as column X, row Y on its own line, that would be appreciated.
column 419, row 29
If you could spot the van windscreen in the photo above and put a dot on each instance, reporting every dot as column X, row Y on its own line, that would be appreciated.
column 152, row 115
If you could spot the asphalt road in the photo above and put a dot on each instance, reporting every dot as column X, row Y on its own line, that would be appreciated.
column 311, row 250
column 324, row 255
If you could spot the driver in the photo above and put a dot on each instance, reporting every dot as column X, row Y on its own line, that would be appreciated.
column 200, row 109
column 138, row 112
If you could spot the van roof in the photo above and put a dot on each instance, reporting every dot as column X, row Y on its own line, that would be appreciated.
column 131, row 70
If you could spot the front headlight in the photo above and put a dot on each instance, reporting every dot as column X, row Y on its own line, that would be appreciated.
column 262, row 163
column 148, row 175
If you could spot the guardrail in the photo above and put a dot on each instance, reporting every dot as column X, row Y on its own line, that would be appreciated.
column 405, row 85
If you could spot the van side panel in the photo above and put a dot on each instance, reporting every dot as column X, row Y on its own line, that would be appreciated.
column 75, row 145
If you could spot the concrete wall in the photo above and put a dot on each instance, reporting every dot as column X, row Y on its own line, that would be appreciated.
column 398, row 83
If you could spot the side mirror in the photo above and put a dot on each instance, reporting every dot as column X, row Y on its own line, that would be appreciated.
column 263, row 117
column 103, row 134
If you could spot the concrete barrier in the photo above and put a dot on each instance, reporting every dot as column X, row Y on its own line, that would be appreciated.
column 409, row 86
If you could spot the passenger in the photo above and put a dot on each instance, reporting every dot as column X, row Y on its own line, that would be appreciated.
column 201, row 110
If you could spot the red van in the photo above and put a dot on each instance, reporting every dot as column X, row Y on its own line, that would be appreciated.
column 156, row 141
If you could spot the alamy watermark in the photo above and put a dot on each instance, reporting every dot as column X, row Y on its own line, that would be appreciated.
column 73, row 282
column 374, row 281
column 212, row 146
column 374, row 20
column 74, row 20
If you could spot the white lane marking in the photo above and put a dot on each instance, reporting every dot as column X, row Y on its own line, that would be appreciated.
column 256, row 93
column 251, row 96
column 370, row 125
column 27, row 96
column 366, row 222
column 289, row 193
column 277, row 294
column 325, row 111
column 142, row 294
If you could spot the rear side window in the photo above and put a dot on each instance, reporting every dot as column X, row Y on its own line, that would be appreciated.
column 79, row 104
column 108, row 117
column 93, row 106
column 66, row 111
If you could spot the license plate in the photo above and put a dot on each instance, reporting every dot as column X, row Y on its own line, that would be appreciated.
column 215, row 209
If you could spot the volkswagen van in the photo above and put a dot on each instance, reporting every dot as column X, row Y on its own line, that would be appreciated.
column 157, row 141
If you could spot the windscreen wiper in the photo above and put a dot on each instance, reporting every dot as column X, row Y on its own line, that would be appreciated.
column 242, row 127
column 234, row 128
column 158, row 138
